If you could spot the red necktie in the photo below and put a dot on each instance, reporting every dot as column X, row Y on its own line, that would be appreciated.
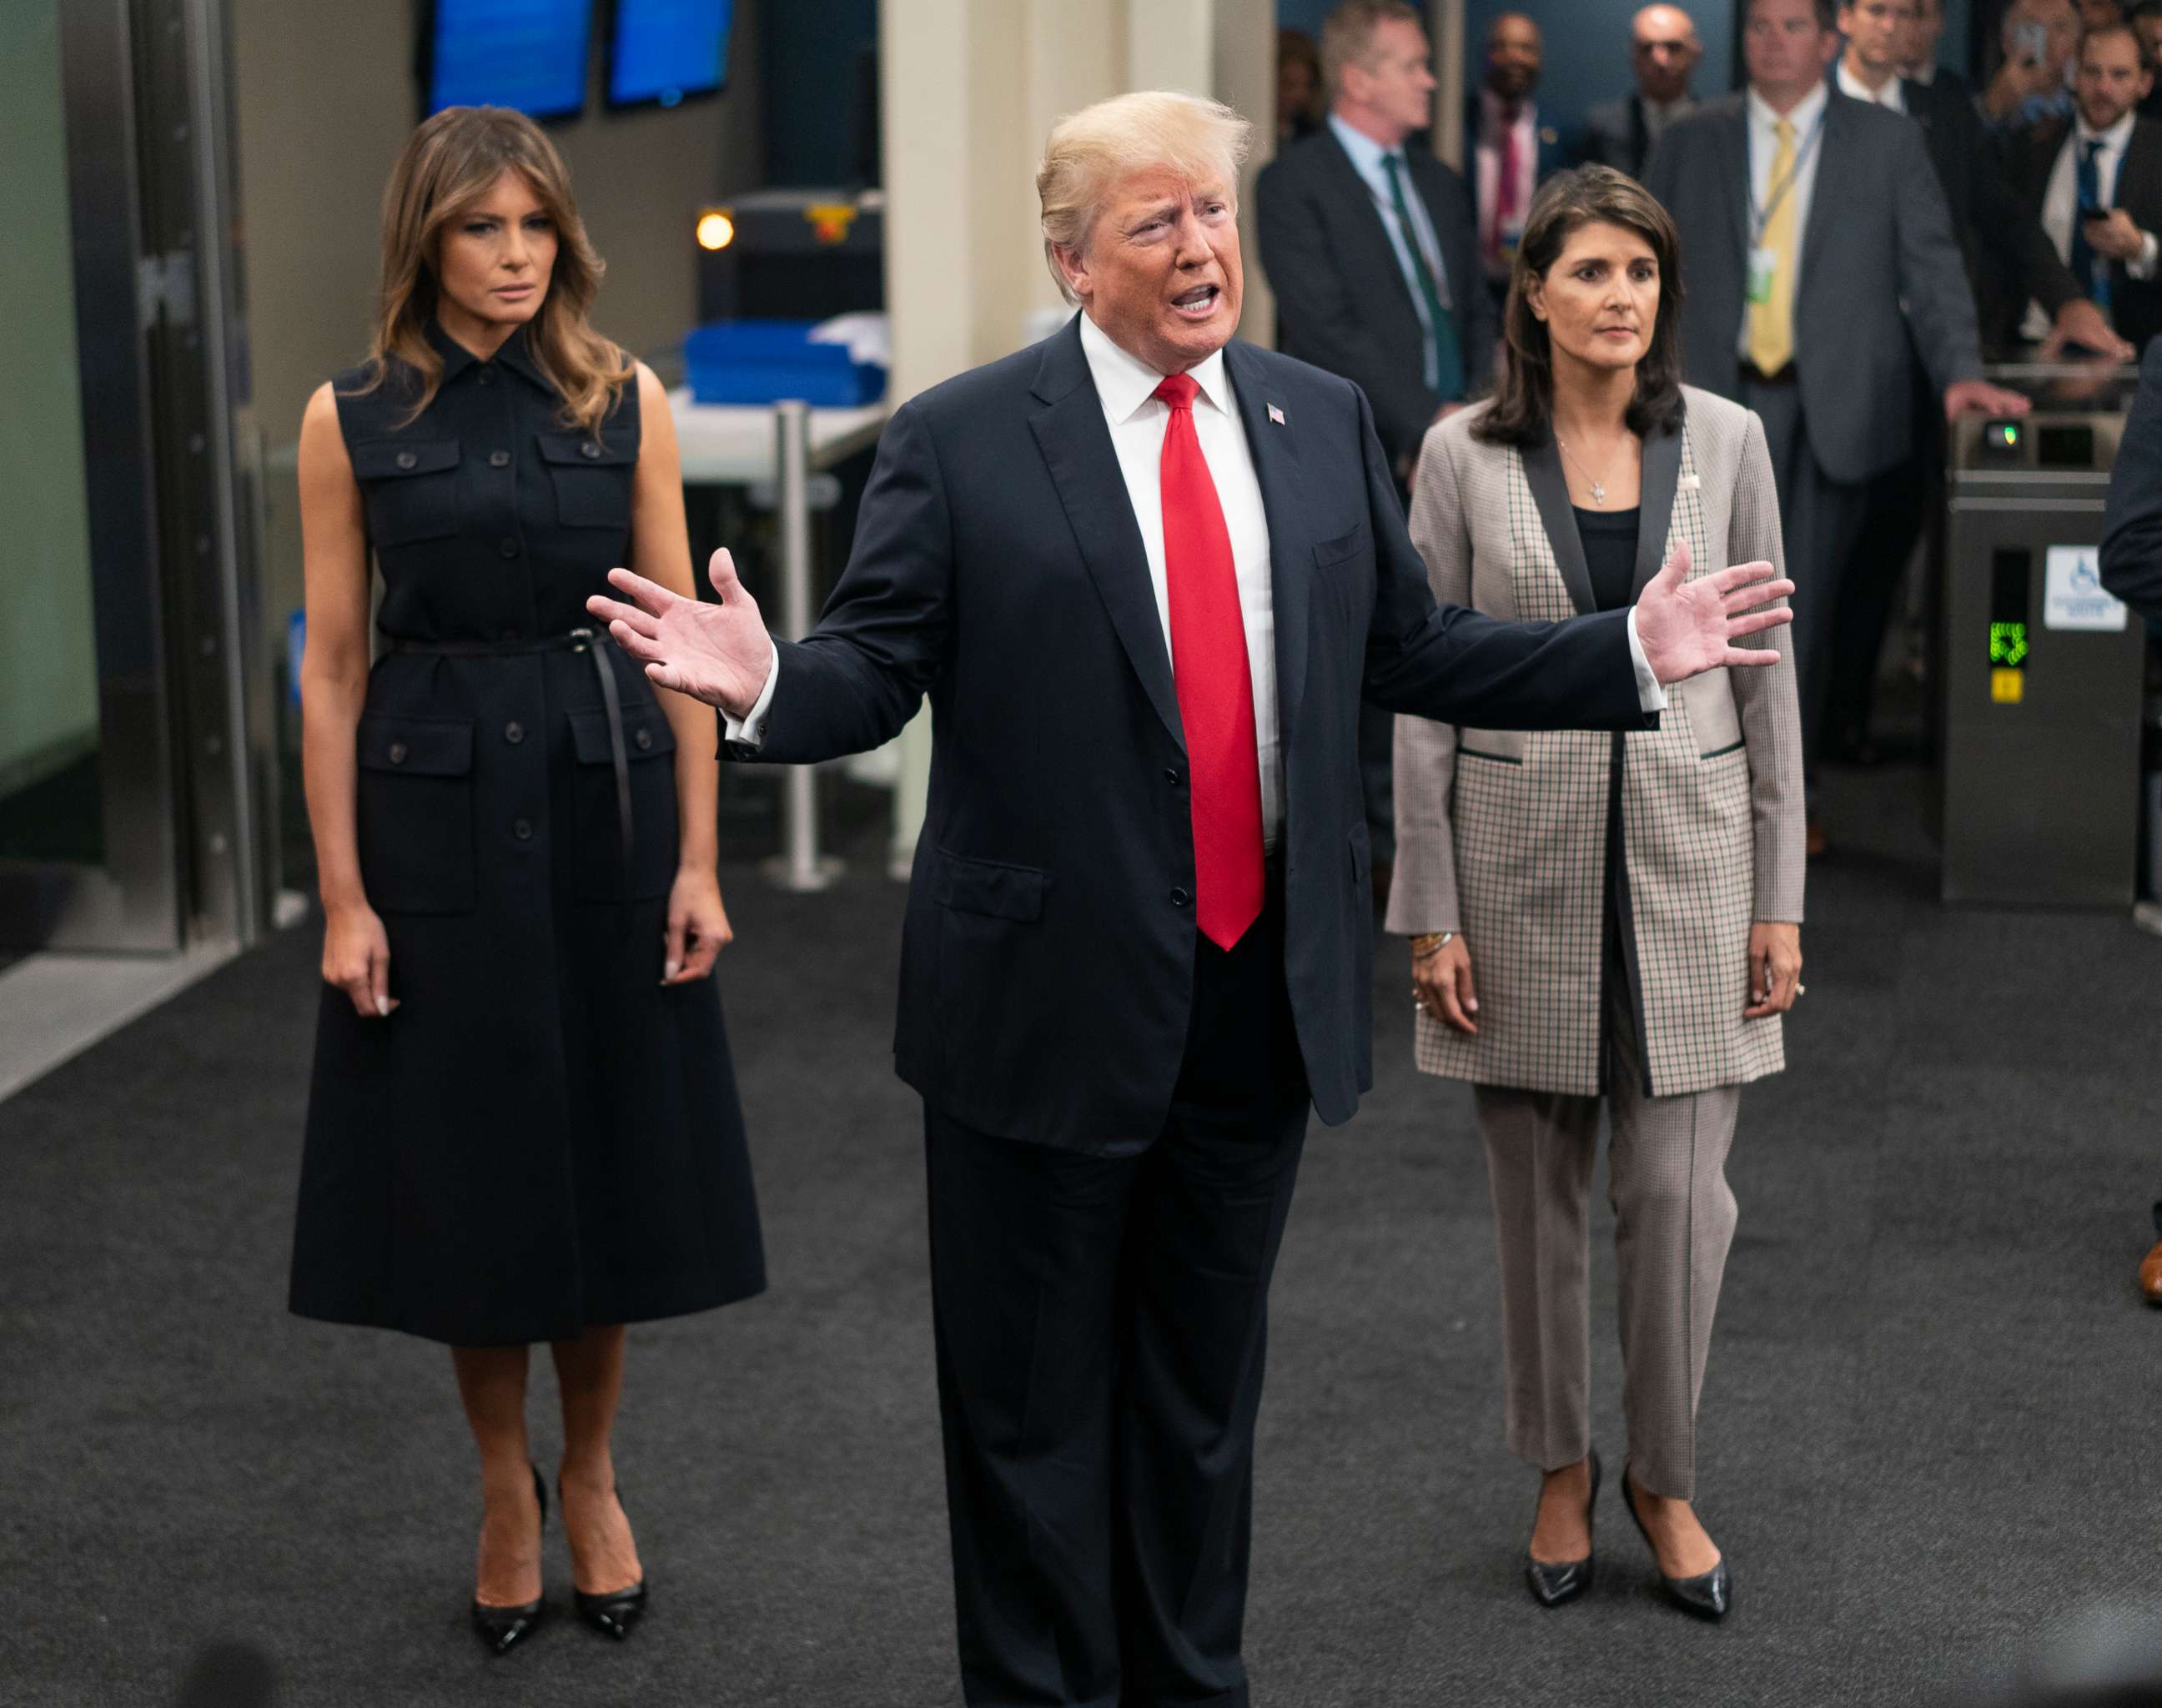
column 1215, row 685
column 1507, row 178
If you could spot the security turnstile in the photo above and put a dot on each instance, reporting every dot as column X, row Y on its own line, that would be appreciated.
column 2043, row 671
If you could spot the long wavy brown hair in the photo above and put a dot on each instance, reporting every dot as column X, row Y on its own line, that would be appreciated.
column 1523, row 412
column 449, row 165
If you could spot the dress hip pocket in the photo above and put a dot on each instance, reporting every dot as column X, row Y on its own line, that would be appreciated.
column 416, row 814
column 603, row 870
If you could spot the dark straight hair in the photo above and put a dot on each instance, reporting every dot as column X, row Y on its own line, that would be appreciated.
column 1523, row 410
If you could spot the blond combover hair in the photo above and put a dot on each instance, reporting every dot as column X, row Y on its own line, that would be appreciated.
column 449, row 165
column 1203, row 142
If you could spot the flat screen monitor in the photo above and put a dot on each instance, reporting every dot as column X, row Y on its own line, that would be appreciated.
column 664, row 51
column 530, row 54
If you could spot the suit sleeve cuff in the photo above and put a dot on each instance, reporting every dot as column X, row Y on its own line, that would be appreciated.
column 749, row 731
column 1649, row 694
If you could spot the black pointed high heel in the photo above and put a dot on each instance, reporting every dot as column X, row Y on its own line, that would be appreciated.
column 1707, row 1595
column 502, row 1629
column 1551, row 1585
column 615, row 1612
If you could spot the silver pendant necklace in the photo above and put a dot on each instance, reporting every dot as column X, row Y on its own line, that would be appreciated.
column 1599, row 481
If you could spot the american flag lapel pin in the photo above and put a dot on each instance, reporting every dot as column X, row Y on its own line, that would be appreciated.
column 1276, row 414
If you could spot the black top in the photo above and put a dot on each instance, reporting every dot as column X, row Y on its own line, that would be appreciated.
column 1609, row 553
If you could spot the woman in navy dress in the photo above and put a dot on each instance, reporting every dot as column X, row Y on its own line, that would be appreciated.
column 523, row 1125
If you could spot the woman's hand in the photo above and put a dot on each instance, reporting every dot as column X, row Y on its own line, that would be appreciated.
column 697, row 927
column 357, row 959
column 1775, row 970
column 1442, row 984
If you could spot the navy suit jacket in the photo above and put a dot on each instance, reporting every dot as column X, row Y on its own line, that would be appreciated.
column 1341, row 300
column 2132, row 521
column 1047, row 963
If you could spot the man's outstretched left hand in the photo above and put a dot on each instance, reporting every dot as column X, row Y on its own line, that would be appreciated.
column 1688, row 627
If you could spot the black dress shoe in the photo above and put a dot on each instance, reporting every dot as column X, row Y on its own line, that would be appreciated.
column 612, row 1614
column 502, row 1629
column 1707, row 1595
column 1553, row 1585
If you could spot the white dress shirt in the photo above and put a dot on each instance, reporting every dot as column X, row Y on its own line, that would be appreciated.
column 1487, row 168
column 1367, row 157
column 1138, row 420
column 1889, row 95
column 2060, row 202
column 1807, row 114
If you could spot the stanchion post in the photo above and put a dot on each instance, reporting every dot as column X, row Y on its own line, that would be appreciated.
column 799, row 866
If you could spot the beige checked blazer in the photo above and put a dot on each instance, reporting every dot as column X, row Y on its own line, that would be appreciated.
column 1502, row 835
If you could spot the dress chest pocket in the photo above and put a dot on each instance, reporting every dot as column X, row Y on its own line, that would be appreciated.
column 592, row 480
column 411, row 488
column 416, row 814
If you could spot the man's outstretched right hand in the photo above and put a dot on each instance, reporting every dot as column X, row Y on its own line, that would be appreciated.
column 720, row 654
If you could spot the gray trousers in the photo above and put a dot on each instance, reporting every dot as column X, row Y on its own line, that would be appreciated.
column 1675, row 1219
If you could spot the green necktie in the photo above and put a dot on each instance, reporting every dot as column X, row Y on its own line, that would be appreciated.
column 1444, row 366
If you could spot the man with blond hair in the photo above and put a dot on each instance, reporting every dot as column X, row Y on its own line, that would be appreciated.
column 1145, row 572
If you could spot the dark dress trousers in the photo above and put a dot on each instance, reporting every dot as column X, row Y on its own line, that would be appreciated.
column 1113, row 1108
column 2135, row 305
column 1341, row 300
column 2009, row 258
column 539, row 1139
column 1881, row 285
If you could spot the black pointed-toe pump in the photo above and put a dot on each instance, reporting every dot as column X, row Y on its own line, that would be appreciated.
column 502, row 1629
column 1551, row 1585
column 614, row 1612
column 1707, row 1595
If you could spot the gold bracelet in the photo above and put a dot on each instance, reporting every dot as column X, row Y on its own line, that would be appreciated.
column 1429, row 942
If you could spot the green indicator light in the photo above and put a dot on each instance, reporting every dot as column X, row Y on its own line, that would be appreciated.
column 2011, row 433
column 2008, row 644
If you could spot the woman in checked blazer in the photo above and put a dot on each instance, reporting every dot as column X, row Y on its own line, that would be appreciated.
column 1603, row 920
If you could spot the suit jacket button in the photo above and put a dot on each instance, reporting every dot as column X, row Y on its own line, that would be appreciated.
column 1171, row 776
column 1179, row 898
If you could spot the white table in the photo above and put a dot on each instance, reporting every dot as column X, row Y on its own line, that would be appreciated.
column 733, row 444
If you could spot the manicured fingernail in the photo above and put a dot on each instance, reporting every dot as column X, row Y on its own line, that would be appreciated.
column 382, row 1007
column 1473, row 1005
column 671, row 970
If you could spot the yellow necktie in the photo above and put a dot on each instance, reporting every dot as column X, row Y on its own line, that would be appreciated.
column 1772, row 321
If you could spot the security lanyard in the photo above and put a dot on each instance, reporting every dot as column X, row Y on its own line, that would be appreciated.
column 1760, row 218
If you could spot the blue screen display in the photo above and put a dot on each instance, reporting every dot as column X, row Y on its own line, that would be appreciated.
column 664, row 49
column 527, row 54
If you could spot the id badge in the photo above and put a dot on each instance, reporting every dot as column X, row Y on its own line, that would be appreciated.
column 1764, row 268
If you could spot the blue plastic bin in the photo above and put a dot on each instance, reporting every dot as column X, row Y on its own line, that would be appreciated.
column 761, row 362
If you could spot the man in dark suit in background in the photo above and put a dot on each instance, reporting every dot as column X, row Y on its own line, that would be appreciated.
column 1998, row 238
column 2132, row 569
column 1917, row 62
column 2109, row 158
column 1663, row 51
column 1508, row 150
column 1372, row 251
column 1146, row 574
column 2146, row 17
column 1817, row 254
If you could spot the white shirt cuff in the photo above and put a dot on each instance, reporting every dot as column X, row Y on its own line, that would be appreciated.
column 751, row 731
column 2143, row 267
column 1649, row 694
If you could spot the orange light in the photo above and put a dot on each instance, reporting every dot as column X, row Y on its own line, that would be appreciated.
column 716, row 230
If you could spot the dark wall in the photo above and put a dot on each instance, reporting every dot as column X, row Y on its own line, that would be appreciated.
column 818, row 58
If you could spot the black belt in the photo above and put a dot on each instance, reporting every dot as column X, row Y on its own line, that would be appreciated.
column 586, row 641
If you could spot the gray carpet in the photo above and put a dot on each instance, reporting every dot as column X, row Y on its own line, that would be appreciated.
column 1927, row 1432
